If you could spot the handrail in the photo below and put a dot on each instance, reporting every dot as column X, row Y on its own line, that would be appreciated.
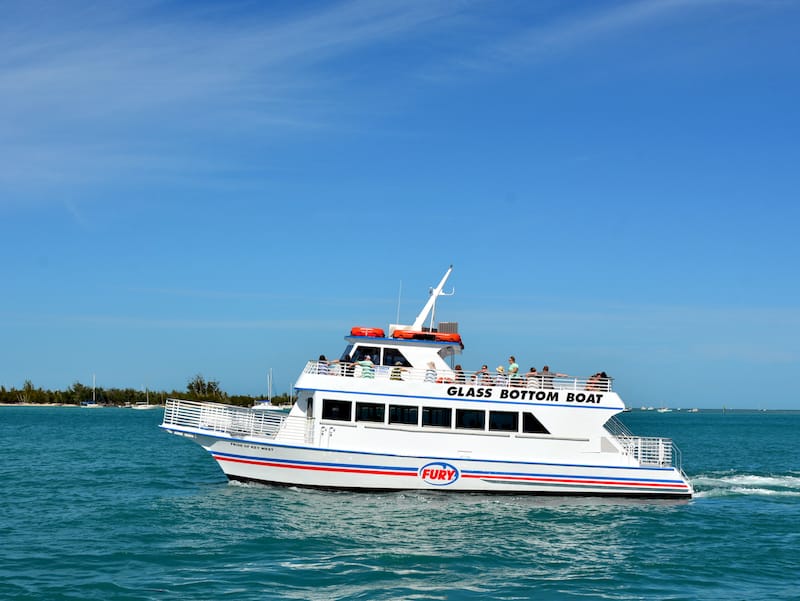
column 449, row 376
column 647, row 450
column 222, row 418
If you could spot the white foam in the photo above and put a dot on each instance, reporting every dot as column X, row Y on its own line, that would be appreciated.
column 712, row 485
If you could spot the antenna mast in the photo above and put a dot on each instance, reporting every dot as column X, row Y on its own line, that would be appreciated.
column 430, row 306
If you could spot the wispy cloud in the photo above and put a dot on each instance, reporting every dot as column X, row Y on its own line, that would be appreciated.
column 91, row 91
column 542, row 38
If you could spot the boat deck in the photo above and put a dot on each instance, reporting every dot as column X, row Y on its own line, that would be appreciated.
column 472, row 378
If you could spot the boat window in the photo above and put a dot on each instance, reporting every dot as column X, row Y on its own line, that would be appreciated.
column 437, row 416
column 391, row 356
column 470, row 419
column 531, row 425
column 445, row 352
column 347, row 354
column 403, row 414
column 339, row 410
column 361, row 352
column 370, row 412
column 306, row 405
column 503, row 421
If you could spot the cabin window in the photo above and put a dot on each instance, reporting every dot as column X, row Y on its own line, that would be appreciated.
column 338, row 410
column 403, row 414
column 361, row 353
column 503, row 421
column 470, row 419
column 531, row 425
column 437, row 416
column 393, row 356
column 370, row 412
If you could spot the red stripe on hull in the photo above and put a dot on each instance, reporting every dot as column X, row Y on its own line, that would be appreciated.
column 316, row 468
column 576, row 481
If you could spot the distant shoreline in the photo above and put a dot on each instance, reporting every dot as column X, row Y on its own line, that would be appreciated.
column 38, row 405
column 64, row 405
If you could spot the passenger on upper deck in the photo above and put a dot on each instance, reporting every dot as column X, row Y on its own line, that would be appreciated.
column 482, row 376
column 430, row 373
column 460, row 377
column 397, row 371
column 533, row 379
column 598, row 381
column 547, row 377
column 513, row 371
column 342, row 367
column 367, row 367
column 500, row 379
column 322, row 365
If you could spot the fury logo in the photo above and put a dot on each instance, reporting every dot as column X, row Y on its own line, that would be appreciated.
column 438, row 473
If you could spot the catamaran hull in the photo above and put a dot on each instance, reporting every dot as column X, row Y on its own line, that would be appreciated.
column 270, row 463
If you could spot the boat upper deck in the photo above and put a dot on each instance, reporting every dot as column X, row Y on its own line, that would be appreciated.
column 448, row 376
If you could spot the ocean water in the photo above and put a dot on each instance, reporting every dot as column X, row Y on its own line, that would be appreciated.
column 102, row 504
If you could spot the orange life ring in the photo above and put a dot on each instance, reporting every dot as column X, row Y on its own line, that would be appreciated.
column 371, row 332
column 417, row 335
column 405, row 334
column 448, row 337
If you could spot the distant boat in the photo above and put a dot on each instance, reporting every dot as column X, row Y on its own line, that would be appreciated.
column 664, row 410
column 266, row 404
column 93, row 403
column 146, row 404
column 694, row 410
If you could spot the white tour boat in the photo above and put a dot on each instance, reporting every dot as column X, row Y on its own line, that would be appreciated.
column 394, row 414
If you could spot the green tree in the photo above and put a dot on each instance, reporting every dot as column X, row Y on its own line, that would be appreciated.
column 199, row 389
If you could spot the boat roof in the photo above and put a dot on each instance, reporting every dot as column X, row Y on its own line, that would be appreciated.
column 418, row 343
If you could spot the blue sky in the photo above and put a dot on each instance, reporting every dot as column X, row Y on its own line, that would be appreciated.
column 227, row 187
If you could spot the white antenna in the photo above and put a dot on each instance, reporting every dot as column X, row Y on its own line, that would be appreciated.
column 431, row 304
column 433, row 309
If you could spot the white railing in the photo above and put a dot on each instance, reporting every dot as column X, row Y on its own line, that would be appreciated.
column 647, row 450
column 222, row 418
column 472, row 378
column 650, row 451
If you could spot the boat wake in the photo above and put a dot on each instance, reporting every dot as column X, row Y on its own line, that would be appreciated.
column 721, row 485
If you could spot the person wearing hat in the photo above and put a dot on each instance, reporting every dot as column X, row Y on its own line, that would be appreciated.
column 397, row 371
column 367, row 367
column 500, row 379
column 430, row 373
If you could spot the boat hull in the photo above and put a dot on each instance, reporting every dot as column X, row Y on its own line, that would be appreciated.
column 246, row 460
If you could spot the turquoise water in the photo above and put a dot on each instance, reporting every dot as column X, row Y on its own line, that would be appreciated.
column 102, row 504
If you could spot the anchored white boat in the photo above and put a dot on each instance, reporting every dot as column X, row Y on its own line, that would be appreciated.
column 394, row 414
